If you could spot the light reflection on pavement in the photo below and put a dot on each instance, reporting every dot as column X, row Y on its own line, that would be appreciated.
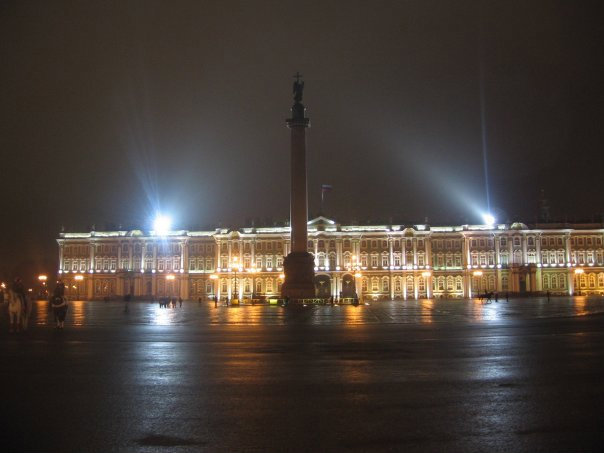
column 414, row 376
column 423, row 311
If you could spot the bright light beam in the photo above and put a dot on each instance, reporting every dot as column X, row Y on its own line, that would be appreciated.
column 162, row 225
column 488, row 219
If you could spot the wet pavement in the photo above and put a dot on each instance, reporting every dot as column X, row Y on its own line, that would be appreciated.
column 456, row 375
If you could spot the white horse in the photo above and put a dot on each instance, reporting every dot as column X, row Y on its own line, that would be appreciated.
column 15, row 309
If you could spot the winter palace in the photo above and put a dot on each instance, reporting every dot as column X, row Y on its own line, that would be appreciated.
column 375, row 262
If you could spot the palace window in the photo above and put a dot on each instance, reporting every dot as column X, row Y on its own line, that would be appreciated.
column 504, row 242
column 332, row 260
column 192, row 264
column 457, row 260
column 247, row 261
column 209, row 264
column 364, row 285
column 209, row 289
column 422, row 284
column 279, row 261
column 397, row 285
column 269, row 262
column 517, row 242
column 384, row 260
column 374, row 260
column 258, row 286
column 385, row 284
column 364, row 260
column 269, row 285
column 420, row 259
column 397, row 259
column 374, row 244
column 590, row 257
column 375, row 282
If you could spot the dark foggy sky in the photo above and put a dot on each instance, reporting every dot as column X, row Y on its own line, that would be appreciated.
column 113, row 109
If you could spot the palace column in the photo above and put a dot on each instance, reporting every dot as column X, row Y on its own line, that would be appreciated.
column 298, row 265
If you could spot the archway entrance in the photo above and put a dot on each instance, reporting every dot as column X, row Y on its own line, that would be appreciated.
column 348, row 287
column 322, row 286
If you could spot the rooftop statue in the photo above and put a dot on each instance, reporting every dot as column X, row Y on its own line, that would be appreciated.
column 298, row 88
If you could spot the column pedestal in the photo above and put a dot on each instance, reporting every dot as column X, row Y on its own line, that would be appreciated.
column 299, row 269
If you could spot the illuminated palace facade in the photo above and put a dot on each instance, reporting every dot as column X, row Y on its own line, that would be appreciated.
column 376, row 262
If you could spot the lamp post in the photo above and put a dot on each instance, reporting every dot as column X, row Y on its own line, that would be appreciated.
column 427, row 275
column 214, row 285
column 357, row 275
column 42, row 279
column 78, row 278
column 477, row 274
column 235, row 259
column 253, row 270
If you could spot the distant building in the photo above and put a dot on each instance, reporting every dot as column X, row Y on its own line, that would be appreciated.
column 377, row 261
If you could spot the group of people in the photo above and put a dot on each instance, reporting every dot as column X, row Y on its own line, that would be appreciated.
column 20, row 305
column 166, row 302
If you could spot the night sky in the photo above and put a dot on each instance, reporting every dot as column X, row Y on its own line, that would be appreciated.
column 113, row 110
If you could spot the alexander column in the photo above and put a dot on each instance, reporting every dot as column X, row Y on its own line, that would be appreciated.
column 299, row 264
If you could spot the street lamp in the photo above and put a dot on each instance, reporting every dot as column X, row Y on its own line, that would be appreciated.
column 214, row 277
column 78, row 278
column 236, row 267
column 253, row 270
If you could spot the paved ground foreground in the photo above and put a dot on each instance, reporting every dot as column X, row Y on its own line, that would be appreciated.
column 524, row 375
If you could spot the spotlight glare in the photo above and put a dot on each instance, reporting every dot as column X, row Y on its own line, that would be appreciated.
column 161, row 225
column 488, row 219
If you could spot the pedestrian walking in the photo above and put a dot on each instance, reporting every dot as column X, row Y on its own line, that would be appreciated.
column 59, row 305
column 215, row 301
column 548, row 294
column 507, row 296
column 180, row 302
